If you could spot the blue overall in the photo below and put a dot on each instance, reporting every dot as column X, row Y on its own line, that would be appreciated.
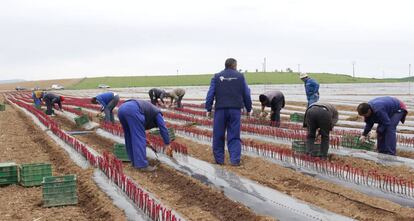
column 133, row 122
column 37, row 101
column 387, row 112
column 108, row 100
column 312, row 91
column 231, row 93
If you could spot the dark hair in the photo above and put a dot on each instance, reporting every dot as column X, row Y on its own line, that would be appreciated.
column 93, row 100
column 363, row 108
column 263, row 99
column 230, row 63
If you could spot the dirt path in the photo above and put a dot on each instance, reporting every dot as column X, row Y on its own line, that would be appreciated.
column 320, row 193
column 23, row 142
column 186, row 195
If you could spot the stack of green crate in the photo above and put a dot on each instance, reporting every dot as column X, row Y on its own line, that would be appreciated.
column 299, row 146
column 81, row 120
column 120, row 152
column 78, row 108
column 8, row 174
column 354, row 143
column 32, row 174
column 297, row 117
column 59, row 191
column 39, row 107
column 2, row 107
column 171, row 133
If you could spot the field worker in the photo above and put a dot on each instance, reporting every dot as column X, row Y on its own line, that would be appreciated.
column 311, row 88
column 137, row 116
column 37, row 97
column 322, row 116
column 387, row 112
column 276, row 101
column 230, row 92
column 176, row 96
column 108, row 101
column 52, row 99
column 156, row 96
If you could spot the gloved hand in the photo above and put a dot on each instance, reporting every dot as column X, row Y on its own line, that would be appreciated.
column 208, row 114
column 168, row 150
column 263, row 114
column 248, row 114
column 374, row 135
column 362, row 139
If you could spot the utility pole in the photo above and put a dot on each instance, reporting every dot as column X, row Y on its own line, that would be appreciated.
column 409, row 79
column 177, row 77
column 298, row 68
column 353, row 69
column 264, row 64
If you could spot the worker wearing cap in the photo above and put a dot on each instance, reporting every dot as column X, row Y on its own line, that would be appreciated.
column 387, row 112
column 276, row 101
column 108, row 101
column 156, row 96
column 52, row 99
column 311, row 88
column 230, row 92
column 322, row 116
column 37, row 97
column 137, row 116
column 176, row 96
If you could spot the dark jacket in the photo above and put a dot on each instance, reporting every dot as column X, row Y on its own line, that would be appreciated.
column 382, row 110
column 275, row 98
column 229, row 89
column 333, row 113
column 156, row 93
column 52, row 99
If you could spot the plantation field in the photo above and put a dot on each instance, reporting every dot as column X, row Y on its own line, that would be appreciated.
column 196, row 80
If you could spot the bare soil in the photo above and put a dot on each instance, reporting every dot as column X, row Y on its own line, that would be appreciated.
column 23, row 142
column 406, row 154
column 186, row 195
column 332, row 197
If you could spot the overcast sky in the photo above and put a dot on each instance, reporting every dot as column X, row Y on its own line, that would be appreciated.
column 76, row 38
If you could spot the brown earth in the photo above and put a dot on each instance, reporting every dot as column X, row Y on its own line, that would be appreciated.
column 330, row 196
column 44, row 84
column 406, row 154
column 186, row 195
column 23, row 142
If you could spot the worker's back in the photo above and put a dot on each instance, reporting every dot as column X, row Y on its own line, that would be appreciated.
column 229, row 89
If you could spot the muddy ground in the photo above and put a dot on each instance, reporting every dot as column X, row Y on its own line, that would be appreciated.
column 23, row 142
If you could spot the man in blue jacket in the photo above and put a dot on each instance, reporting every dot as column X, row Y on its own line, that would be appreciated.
column 387, row 112
column 108, row 101
column 230, row 92
column 311, row 88
column 137, row 116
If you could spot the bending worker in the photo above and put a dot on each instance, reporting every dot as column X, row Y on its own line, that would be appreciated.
column 276, row 101
column 137, row 116
column 156, row 96
column 311, row 88
column 322, row 116
column 387, row 112
column 230, row 92
column 37, row 97
column 176, row 96
column 52, row 99
column 108, row 101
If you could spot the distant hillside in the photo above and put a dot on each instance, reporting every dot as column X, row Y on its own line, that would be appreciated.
column 42, row 84
column 195, row 80
column 11, row 81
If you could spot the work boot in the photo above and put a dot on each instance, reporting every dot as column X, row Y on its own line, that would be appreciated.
column 147, row 169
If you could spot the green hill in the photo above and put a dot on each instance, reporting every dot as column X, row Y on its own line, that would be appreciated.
column 196, row 80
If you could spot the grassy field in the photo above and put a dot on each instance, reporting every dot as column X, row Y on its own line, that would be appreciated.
column 196, row 80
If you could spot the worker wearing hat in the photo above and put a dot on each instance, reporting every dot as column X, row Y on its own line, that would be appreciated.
column 37, row 97
column 108, row 101
column 311, row 88
column 52, row 99
column 387, row 112
column 276, row 101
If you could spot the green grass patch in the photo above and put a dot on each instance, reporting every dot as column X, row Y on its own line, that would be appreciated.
column 204, row 79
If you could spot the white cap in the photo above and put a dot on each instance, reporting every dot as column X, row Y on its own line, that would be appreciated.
column 303, row 75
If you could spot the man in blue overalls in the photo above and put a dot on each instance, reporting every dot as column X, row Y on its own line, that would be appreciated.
column 231, row 92
column 387, row 112
column 137, row 116
column 311, row 88
column 108, row 101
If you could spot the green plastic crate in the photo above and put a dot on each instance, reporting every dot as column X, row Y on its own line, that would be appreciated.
column 120, row 152
column 297, row 117
column 8, row 173
column 78, row 108
column 81, row 120
column 299, row 146
column 171, row 133
column 39, row 107
column 2, row 107
column 59, row 191
column 32, row 174
column 354, row 143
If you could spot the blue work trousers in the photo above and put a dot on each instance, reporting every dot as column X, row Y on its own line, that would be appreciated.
column 387, row 141
column 108, row 110
column 313, row 99
column 227, row 119
column 134, row 132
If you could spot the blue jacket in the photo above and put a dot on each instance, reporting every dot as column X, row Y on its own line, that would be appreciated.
column 230, row 90
column 383, row 108
column 105, row 98
column 311, row 88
